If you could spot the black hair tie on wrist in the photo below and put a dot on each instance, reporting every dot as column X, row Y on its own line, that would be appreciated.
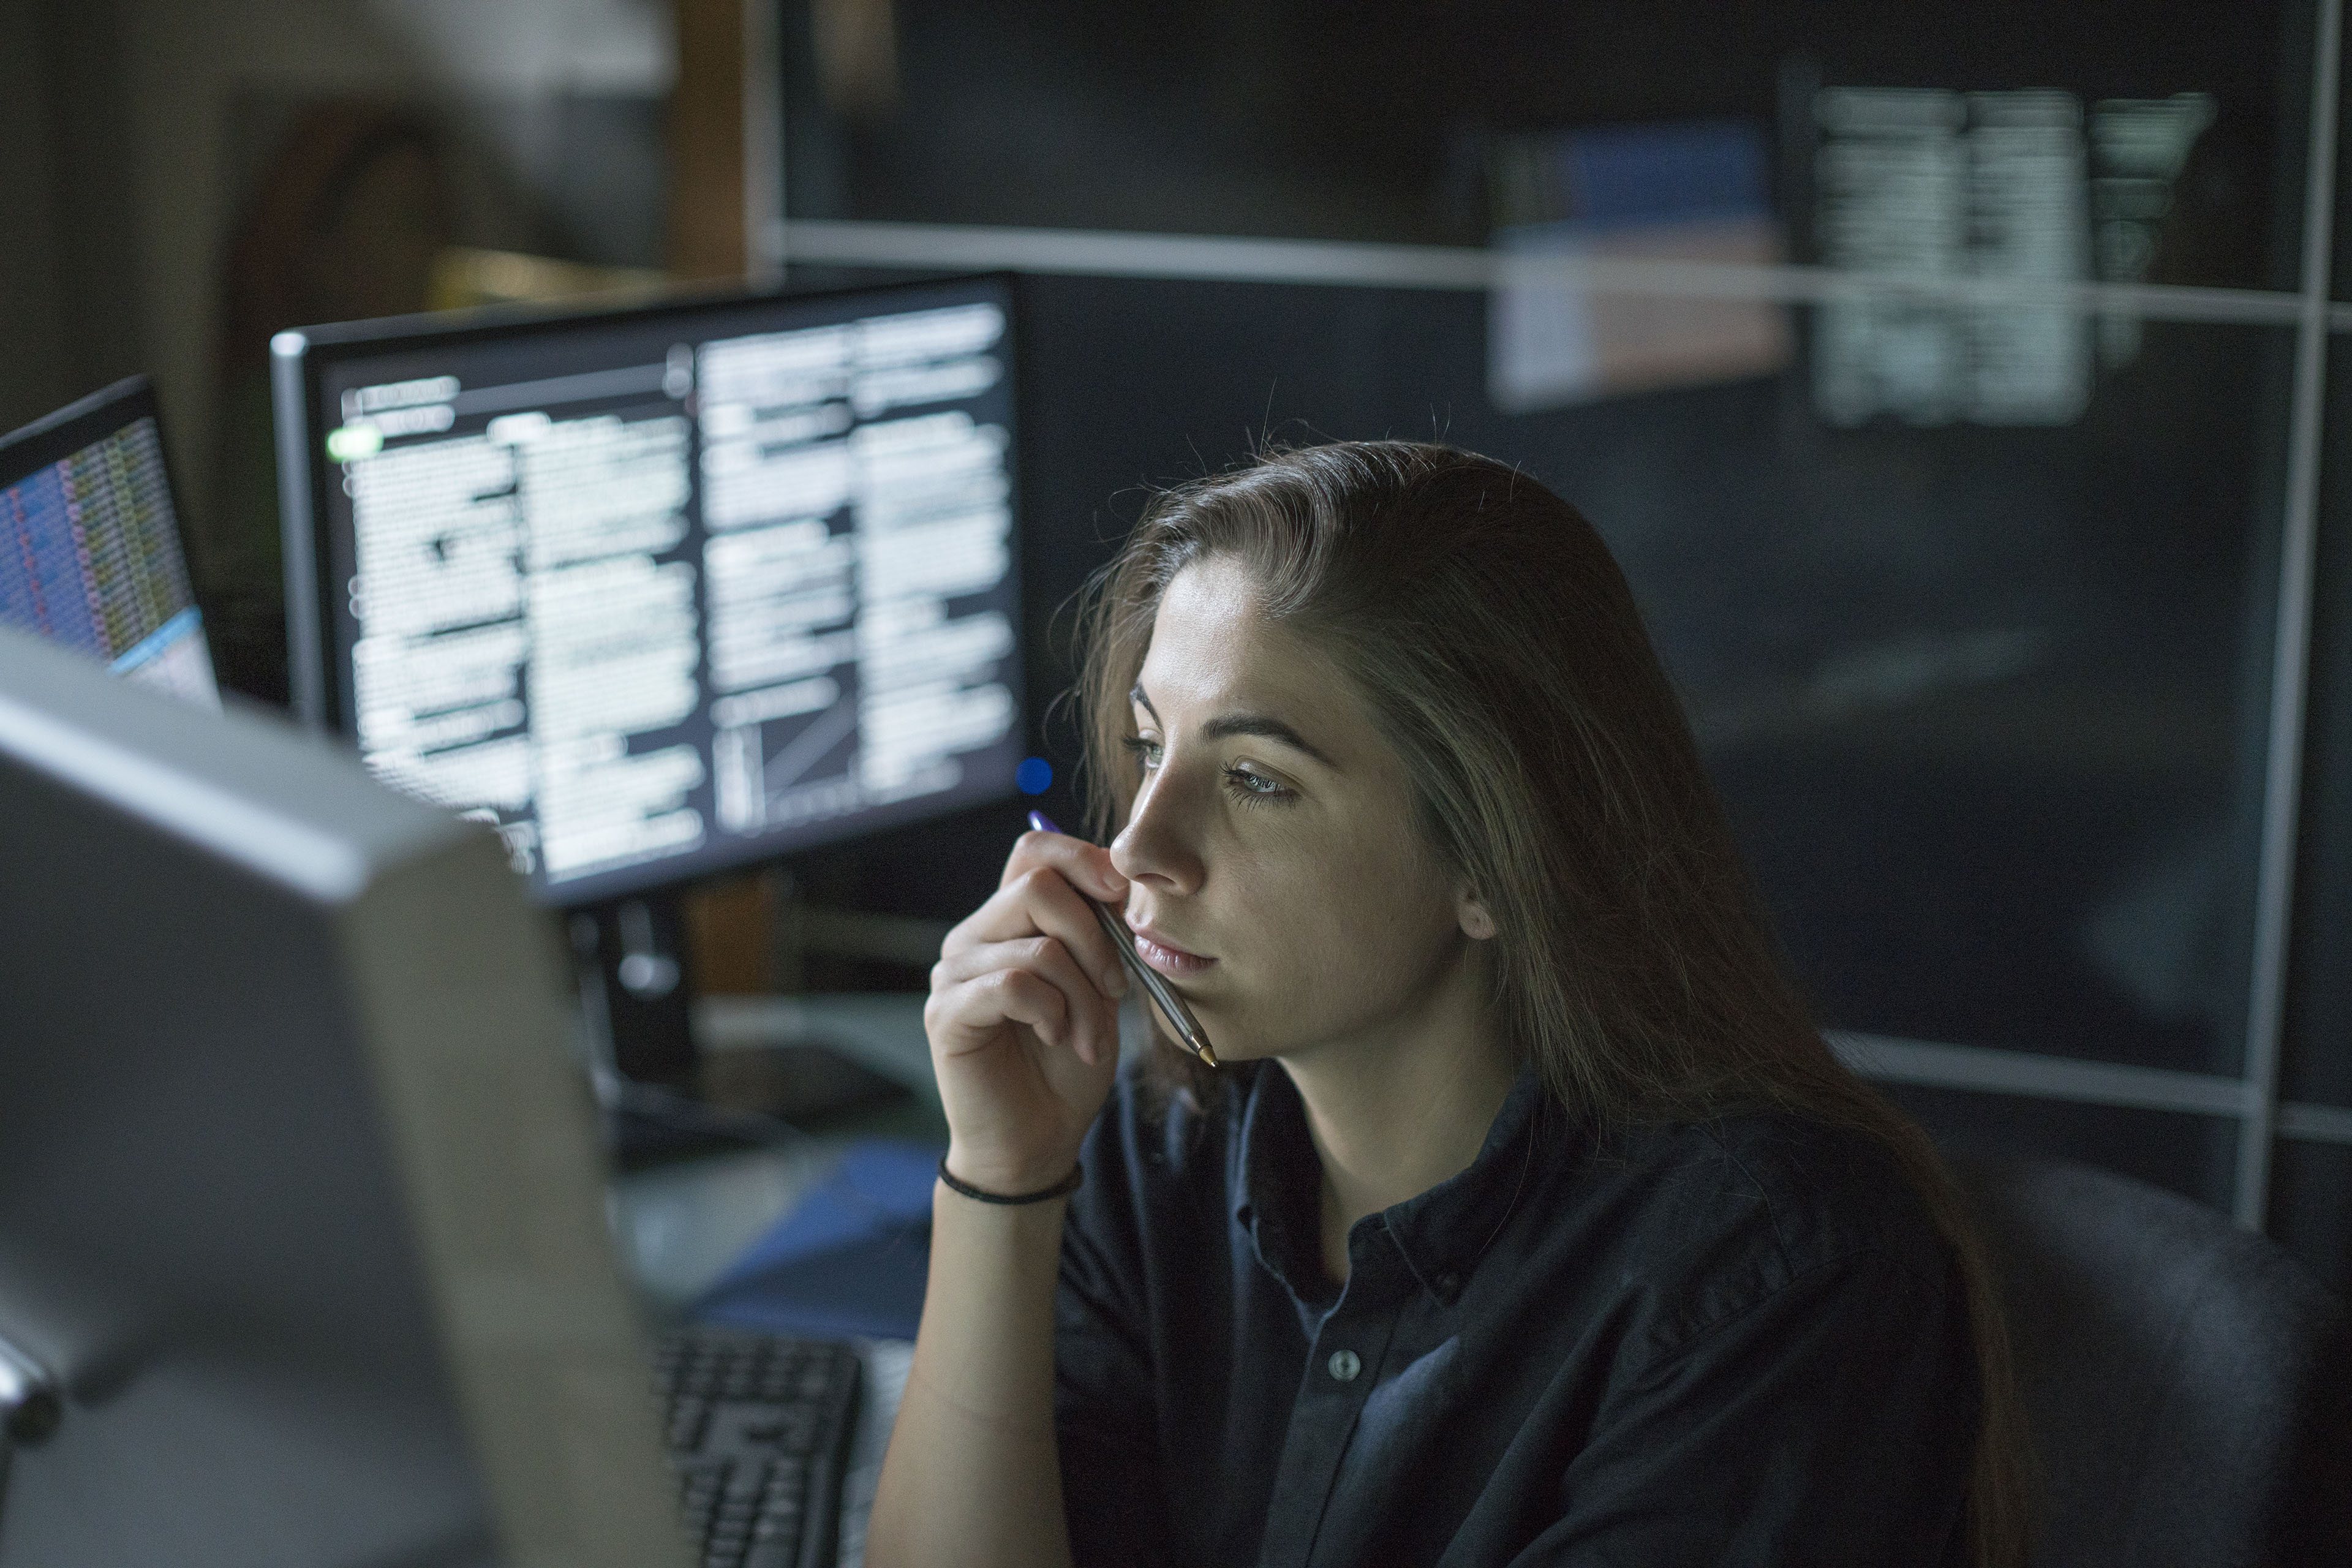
column 1062, row 1188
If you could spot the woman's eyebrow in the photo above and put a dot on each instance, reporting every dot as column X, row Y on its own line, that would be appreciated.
column 1263, row 724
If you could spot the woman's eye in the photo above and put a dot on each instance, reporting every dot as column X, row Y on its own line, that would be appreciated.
column 1146, row 752
column 1253, row 786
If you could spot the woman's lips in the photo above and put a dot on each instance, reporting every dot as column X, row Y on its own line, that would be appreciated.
column 1167, row 957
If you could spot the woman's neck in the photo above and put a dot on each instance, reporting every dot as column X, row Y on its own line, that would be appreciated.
column 1394, row 1114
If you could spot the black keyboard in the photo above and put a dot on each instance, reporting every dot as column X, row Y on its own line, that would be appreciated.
column 759, row 1432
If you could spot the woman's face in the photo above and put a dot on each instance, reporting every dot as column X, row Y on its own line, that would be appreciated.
column 1278, row 880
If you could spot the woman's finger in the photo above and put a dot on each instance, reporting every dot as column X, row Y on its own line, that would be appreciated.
column 975, row 1011
column 1087, row 867
column 1092, row 1018
column 1041, row 902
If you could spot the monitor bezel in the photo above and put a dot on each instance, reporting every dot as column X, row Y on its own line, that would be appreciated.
column 300, row 359
column 83, row 423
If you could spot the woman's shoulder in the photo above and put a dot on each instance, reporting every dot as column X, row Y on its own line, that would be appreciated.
column 1710, row 1217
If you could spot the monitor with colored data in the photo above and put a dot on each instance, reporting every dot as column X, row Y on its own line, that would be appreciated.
column 662, row 591
column 90, row 543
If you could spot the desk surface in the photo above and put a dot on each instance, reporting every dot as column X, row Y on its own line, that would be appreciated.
column 679, row 1225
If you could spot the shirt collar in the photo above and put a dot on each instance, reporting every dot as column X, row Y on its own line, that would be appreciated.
column 1442, row 1233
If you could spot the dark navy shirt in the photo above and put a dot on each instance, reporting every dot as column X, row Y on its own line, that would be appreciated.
column 1735, row 1342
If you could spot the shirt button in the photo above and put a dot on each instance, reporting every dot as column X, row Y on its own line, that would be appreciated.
column 1345, row 1365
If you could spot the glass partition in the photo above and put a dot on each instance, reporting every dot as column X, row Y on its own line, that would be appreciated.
column 1938, row 377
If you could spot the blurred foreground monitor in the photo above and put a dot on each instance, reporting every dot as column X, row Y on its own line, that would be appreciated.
column 302, row 1243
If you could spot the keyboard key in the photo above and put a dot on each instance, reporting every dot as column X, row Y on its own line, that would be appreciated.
column 757, row 1426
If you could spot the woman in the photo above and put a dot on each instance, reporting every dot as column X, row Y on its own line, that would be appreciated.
column 1528, row 1219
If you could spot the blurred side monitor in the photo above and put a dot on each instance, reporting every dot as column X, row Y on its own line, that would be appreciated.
column 664, row 591
column 299, row 1203
column 91, row 552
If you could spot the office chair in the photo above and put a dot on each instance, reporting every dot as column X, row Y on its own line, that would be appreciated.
column 2188, row 1384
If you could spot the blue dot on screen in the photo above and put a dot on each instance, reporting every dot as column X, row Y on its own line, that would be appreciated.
column 1034, row 776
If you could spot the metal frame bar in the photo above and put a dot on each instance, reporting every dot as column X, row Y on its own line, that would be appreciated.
column 2031, row 1074
column 2290, row 656
column 763, row 138
column 1103, row 253
column 2315, row 1123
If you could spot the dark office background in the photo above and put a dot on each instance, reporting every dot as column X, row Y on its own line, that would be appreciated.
column 1991, row 705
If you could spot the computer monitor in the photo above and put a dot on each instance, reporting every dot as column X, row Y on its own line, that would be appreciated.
column 662, row 591
column 90, row 553
column 299, row 1207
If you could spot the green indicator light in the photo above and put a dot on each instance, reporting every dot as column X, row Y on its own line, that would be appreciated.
column 353, row 442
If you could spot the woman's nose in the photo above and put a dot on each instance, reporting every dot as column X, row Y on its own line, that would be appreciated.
column 1160, row 844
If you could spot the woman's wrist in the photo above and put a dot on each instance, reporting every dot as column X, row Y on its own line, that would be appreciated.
column 1006, row 1179
column 1061, row 1189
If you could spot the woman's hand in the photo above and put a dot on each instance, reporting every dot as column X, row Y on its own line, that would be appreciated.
column 1024, row 1017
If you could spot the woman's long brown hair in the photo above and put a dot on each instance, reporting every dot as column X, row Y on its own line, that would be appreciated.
column 1502, row 654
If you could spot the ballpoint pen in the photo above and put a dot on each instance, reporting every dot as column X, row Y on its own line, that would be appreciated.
column 1171, row 1006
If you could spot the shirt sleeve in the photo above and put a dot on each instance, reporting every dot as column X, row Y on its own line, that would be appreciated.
column 1830, row 1423
column 1106, row 1426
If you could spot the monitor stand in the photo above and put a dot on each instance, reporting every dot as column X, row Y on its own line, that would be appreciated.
column 630, row 962
column 632, row 967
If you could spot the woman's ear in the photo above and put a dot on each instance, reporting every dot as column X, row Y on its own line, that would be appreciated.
column 1472, row 916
